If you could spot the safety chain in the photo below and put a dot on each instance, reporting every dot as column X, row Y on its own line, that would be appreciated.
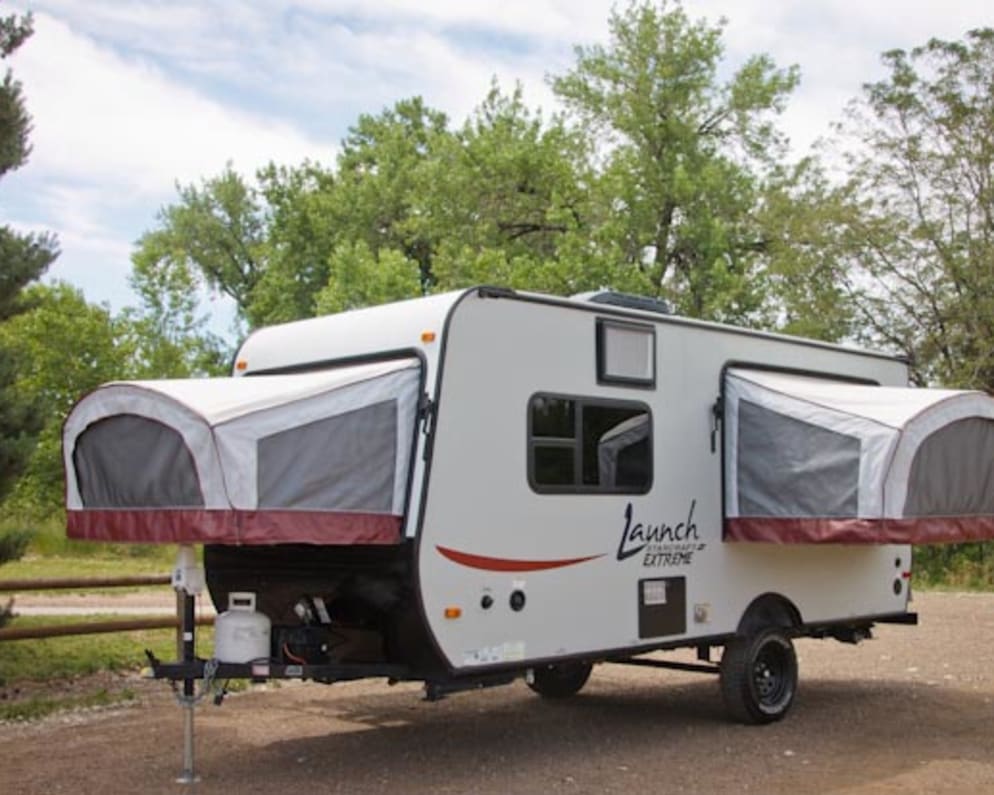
column 207, row 686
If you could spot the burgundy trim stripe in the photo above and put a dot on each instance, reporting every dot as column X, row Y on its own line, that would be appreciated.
column 917, row 530
column 508, row 564
column 196, row 526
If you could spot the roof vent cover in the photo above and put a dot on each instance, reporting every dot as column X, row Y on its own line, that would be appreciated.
column 641, row 302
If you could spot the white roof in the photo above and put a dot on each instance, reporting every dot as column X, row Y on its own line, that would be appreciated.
column 223, row 423
column 219, row 400
column 359, row 332
column 891, row 406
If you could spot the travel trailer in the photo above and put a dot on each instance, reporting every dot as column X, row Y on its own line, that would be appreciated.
column 483, row 485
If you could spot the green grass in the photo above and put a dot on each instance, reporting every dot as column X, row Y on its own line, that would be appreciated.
column 962, row 577
column 35, row 674
column 39, row 567
column 48, row 539
column 41, row 706
column 54, row 659
column 35, row 567
column 42, row 667
column 50, row 554
column 954, row 567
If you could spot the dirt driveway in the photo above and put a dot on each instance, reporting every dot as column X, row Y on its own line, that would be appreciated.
column 911, row 711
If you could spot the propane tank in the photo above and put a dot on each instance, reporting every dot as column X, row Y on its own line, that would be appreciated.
column 241, row 634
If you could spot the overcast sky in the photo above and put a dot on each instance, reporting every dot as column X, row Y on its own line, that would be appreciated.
column 129, row 98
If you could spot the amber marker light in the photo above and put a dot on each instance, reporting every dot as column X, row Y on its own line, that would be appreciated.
column 427, row 336
column 241, row 365
column 453, row 612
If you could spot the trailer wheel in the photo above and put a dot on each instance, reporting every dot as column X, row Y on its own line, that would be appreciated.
column 759, row 676
column 560, row 681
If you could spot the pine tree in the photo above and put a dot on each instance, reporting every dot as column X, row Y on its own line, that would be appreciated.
column 23, row 258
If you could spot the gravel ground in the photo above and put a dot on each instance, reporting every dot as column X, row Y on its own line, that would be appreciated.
column 911, row 711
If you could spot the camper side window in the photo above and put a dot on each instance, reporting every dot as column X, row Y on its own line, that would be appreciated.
column 589, row 446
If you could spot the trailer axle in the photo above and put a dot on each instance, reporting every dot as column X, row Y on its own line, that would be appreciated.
column 672, row 665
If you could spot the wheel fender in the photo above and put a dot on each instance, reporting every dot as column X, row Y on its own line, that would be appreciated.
column 769, row 610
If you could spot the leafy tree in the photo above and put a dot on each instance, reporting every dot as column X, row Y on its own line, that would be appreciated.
column 62, row 348
column 302, row 231
column 271, row 245
column 329, row 228
column 683, row 156
column 805, row 277
column 662, row 186
column 23, row 258
column 506, row 182
column 214, row 236
column 379, row 181
column 362, row 278
column 170, row 339
column 411, row 207
column 15, row 123
column 913, row 227
column 918, row 228
column 504, row 188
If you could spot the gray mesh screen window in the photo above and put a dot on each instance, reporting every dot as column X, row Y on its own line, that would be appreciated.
column 944, row 481
column 342, row 463
column 129, row 461
column 788, row 467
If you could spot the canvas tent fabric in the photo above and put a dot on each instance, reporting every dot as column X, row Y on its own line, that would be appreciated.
column 615, row 445
column 319, row 457
column 810, row 459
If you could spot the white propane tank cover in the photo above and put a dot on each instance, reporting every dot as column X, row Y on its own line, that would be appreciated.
column 188, row 575
column 241, row 634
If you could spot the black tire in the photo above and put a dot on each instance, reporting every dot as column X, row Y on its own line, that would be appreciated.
column 560, row 681
column 759, row 676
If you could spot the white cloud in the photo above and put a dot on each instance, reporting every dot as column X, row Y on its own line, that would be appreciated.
column 567, row 20
column 836, row 43
column 126, row 125
column 324, row 61
column 112, row 136
column 95, row 253
column 184, row 21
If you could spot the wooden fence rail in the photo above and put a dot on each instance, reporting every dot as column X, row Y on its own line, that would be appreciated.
column 83, row 583
column 95, row 628
column 90, row 627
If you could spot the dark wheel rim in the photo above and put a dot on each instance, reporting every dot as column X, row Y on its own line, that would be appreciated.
column 770, row 674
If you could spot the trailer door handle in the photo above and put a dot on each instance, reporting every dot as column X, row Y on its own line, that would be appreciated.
column 717, row 411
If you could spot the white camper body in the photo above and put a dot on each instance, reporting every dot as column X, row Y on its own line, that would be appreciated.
column 472, row 486
column 483, row 531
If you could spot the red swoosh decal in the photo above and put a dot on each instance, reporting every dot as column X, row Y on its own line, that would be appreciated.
column 508, row 564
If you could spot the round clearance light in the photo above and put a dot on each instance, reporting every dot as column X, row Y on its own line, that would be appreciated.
column 427, row 336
